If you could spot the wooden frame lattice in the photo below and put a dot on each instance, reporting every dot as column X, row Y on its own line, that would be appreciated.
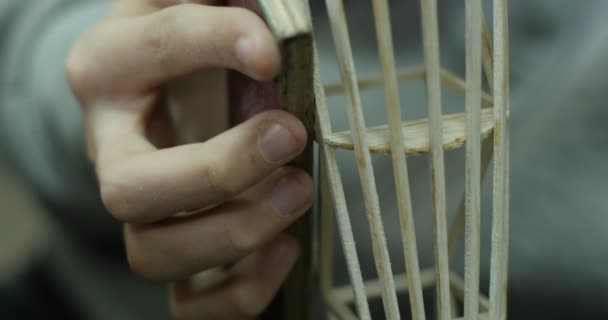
column 482, row 129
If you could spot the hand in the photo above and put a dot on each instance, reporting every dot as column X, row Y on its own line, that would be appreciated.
column 193, row 207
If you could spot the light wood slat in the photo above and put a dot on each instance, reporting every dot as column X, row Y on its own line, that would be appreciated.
column 376, row 80
column 415, row 134
column 396, row 142
column 458, row 86
column 430, row 35
column 457, row 284
column 472, row 158
column 326, row 248
column 286, row 18
column 483, row 316
column 336, row 189
column 499, row 259
column 487, row 148
column 339, row 309
column 373, row 288
column 451, row 81
column 339, row 29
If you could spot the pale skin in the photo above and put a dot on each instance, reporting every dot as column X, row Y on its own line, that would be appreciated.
column 237, row 182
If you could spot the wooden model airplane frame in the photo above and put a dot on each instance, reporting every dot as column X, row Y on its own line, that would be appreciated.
column 482, row 129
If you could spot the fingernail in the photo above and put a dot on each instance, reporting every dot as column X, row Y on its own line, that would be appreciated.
column 277, row 144
column 243, row 49
column 288, row 196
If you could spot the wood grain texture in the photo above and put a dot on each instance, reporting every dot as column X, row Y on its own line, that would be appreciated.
column 451, row 82
column 371, row 81
column 487, row 148
column 356, row 121
column 396, row 142
column 415, row 135
column 326, row 234
column 374, row 287
column 473, row 158
column 336, row 190
column 430, row 35
column 499, row 257
column 291, row 24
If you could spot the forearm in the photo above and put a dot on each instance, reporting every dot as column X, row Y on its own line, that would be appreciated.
column 39, row 118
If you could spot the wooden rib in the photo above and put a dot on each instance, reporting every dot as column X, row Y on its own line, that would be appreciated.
column 458, row 86
column 487, row 52
column 482, row 316
column 326, row 237
column 430, row 30
column 487, row 148
column 507, row 193
column 396, row 142
column 371, row 81
column 451, row 81
column 286, row 18
column 457, row 284
column 473, row 158
column 338, row 25
column 415, row 135
column 339, row 309
column 500, row 194
column 291, row 25
column 336, row 189
column 373, row 288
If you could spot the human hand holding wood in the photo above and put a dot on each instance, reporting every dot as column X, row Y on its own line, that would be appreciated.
column 193, row 207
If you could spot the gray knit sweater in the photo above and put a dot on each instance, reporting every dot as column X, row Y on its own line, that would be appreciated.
column 559, row 223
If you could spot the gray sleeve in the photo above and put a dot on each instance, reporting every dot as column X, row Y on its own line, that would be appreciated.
column 40, row 121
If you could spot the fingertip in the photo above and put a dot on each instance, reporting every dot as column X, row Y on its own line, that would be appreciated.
column 256, row 49
column 284, row 252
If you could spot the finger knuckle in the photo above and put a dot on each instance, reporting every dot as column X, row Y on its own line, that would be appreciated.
column 115, row 197
column 80, row 70
column 159, row 35
column 241, row 243
column 215, row 181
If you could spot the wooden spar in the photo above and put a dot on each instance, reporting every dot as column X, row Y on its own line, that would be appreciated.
column 396, row 141
column 430, row 30
column 339, row 28
column 498, row 268
column 336, row 189
column 473, row 158
column 290, row 22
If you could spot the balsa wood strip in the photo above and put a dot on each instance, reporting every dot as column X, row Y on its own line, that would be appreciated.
column 286, row 18
column 396, row 141
column 430, row 30
column 451, row 81
column 338, row 25
column 482, row 316
column 376, row 80
column 499, row 259
column 487, row 52
column 336, row 189
column 487, row 147
column 374, row 287
column 338, row 309
column 326, row 247
column 415, row 135
column 457, row 284
column 457, row 85
column 472, row 158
